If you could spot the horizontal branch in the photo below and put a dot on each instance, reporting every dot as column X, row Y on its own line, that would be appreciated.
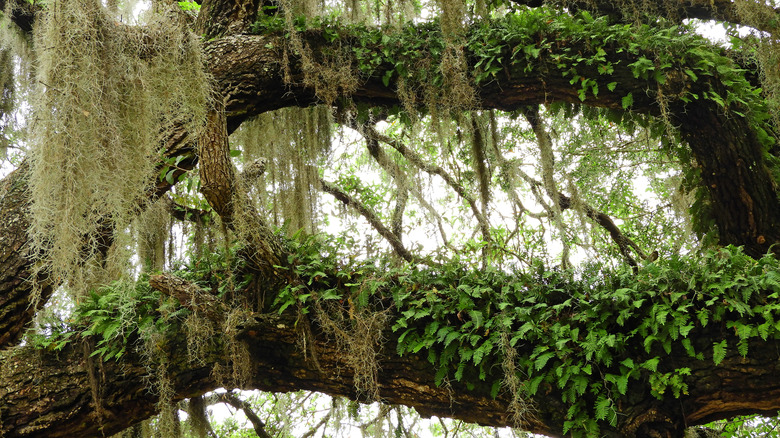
column 370, row 216
column 676, row 11
column 48, row 394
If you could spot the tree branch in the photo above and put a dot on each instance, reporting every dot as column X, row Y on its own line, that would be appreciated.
column 719, row 10
column 47, row 394
column 218, row 18
column 376, row 223
column 257, row 423
column 190, row 296
column 414, row 158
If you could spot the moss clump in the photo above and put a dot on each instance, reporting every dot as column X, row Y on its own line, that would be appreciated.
column 106, row 92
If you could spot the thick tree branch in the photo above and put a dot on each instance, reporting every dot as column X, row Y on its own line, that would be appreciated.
column 18, row 299
column 249, row 71
column 190, row 296
column 675, row 11
column 48, row 394
column 218, row 18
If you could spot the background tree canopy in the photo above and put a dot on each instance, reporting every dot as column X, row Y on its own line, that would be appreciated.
column 557, row 216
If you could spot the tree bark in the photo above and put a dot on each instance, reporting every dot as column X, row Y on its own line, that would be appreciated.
column 49, row 394
column 18, row 301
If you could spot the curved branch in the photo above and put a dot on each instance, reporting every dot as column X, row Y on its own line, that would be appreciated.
column 372, row 218
column 257, row 424
column 676, row 11
column 400, row 177
column 414, row 158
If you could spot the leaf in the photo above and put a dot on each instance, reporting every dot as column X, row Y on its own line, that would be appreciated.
column 602, row 407
column 628, row 100
column 541, row 361
column 235, row 153
column 169, row 176
column 719, row 352
column 477, row 317
column 611, row 86
column 651, row 364
column 386, row 78
column 533, row 385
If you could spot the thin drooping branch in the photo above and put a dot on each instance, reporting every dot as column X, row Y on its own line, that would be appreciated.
column 547, row 160
column 384, row 409
column 563, row 202
column 323, row 421
column 414, row 158
column 370, row 216
column 400, row 178
column 433, row 213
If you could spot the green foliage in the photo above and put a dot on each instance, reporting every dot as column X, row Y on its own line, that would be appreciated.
column 749, row 426
column 120, row 313
column 189, row 5
column 573, row 332
column 116, row 316
column 584, row 49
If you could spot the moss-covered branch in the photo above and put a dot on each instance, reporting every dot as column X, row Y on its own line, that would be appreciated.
column 626, row 356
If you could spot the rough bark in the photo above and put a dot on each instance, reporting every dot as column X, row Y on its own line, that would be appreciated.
column 48, row 394
column 16, row 268
column 221, row 17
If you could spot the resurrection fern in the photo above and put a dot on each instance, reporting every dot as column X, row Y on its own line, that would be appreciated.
column 549, row 329
column 106, row 92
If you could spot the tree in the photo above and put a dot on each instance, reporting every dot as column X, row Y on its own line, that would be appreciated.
column 671, row 325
